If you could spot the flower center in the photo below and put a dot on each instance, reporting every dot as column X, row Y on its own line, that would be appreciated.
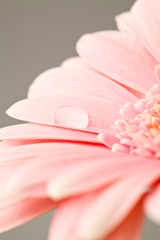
column 138, row 132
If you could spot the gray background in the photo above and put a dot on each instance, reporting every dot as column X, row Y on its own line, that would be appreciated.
column 37, row 35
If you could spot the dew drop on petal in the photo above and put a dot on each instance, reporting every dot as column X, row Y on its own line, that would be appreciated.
column 73, row 117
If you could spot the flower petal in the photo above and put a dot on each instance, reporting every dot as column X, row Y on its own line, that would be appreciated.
column 89, row 175
column 17, row 211
column 71, row 116
column 77, row 63
column 125, row 23
column 95, row 114
column 114, row 203
column 121, row 57
column 51, row 158
column 125, row 229
column 152, row 205
column 147, row 22
column 80, row 82
column 157, row 71
column 36, row 131
column 68, row 215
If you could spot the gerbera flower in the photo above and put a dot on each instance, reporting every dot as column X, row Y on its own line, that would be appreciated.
column 91, row 144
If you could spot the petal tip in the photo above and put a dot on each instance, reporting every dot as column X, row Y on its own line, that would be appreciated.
column 55, row 191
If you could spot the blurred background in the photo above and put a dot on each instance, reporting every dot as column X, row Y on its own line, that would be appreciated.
column 37, row 35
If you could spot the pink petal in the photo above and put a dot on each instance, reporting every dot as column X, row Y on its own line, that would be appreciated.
column 17, row 211
column 77, row 63
column 72, row 211
column 8, row 164
column 58, row 158
column 147, row 22
column 7, row 144
column 68, row 216
column 130, row 228
column 72, row 116
column 95, row 114
column 121, row 57
column 12, row 156
column 152, row 205
column 108, row 211
column 125, row 23
column 91, row 174
column 80, row 82
column 157, row 71
column 5, row 174
column 52, row 149
column 36, row 131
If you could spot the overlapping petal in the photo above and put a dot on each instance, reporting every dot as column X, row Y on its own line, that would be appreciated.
column 125, row 229
column 125, row 23
column 58, row 158
column 152, row 203
column 69, row 172
column 80, row 82
column 47, row 133
column 113, row 204
column 18, row 210
column 70, row 111
column 119, row 56
column 147, row 22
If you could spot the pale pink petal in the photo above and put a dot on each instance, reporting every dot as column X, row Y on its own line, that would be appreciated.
column 7, row 167
column 52, row 149
column 91, row 174
column 77, row 63
column 36, row 131
column 131, row 227
column 157, row 71
column 152, row 204
column 19, row 142
column 68, row 215
column 114, row 203
column 79, row 82
column 51, row 158
column 17, row 211
column 121, row 57
column 95, row 114
column 76, row 117
column 125, row 23
column 14, row 155
column 147, row 22
column 7, row 144
column 71, row 212
column 136, row 93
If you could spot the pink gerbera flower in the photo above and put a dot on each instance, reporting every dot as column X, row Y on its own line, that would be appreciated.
column 92, row 144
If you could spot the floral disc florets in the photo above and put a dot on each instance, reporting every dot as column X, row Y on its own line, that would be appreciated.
column 138, row 132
